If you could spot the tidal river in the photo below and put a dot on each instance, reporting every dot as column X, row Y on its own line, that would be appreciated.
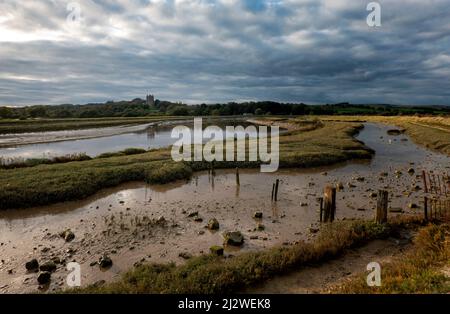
column 136, row 222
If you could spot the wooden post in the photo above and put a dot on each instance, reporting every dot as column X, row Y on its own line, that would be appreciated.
column 321, row 208
column 425, row 208
column 425, row 187
column 237, row 177
column 329, row 206
column 382, row 206
column 276, row 189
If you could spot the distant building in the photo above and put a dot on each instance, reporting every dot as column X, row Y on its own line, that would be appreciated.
column 150, row 99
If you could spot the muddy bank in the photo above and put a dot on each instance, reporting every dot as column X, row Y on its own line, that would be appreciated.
column 137, row 223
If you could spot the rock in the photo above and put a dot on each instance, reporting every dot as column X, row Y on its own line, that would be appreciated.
column 198, row 219
column 351, row 185
column 258, row 215
column 395, row 210
column 49, row 266
column 201, row 232
column 373, row 194
column 44, row 278
column 193, row 214
column 413, row 205
column 411, row 171
column 361, row 209
column 254, row 237
column 67, row 235
column 303, row 204
column 93, row 263
column 216, row 250
column 233, row 238
column 185, row 255
column 105, row 261
column 384, row 174
column 339, row 186
column 313, row 230
column 32, row 265
column 395, row 131
column 260, row 227
column 161, row 220
column 360, row 179
column 213, row 224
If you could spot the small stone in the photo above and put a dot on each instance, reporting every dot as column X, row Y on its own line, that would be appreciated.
column 260, row 227
column 193, row 214
column 44, row 278
column 216, row 250
column 258, row 215
column 48, row 267
column 105, row 261
column 32, row 265
column 233, row 238
column 213, row 224
column 185, row 255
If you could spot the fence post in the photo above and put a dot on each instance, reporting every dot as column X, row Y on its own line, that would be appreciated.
column 237, row 177
column 329, row 206
column 425, row 208
column 321, row 208
column 382, row 206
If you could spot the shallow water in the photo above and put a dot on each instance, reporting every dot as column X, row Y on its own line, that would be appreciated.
column 115, row 220
column 94, row 142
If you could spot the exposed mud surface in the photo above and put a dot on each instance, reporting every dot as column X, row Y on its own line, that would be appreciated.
column 136, row 223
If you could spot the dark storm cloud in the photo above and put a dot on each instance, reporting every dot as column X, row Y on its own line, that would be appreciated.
column 218, row 51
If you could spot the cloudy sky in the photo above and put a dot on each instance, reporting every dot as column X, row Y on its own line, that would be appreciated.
column 314, row 51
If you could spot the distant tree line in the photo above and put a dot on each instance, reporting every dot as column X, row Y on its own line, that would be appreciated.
column 138, row 108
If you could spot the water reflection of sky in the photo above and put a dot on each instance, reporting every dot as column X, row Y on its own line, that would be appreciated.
column 152, row 137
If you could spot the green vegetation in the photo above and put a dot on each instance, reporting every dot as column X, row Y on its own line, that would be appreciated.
column 418, row 271
column 138, row 108
column 329, row 143
column 214, row 274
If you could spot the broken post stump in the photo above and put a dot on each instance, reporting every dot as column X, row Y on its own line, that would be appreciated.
column 382, row 206
column 329, row 206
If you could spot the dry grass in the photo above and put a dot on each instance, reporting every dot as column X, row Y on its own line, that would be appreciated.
column 418, row 271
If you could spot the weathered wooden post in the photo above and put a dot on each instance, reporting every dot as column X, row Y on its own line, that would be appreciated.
column 321, row 208
column 237, row 177
column 425, row 208
column 329, row 206
column 276, row 189
column 382, row 206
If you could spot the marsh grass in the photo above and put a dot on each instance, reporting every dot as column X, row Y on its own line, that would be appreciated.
column 209, row 274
